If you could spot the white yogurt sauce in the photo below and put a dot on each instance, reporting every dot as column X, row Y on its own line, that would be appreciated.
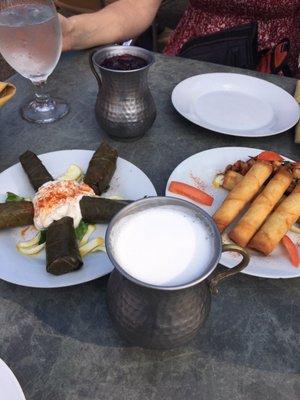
column 165, row 245
column 57, row 199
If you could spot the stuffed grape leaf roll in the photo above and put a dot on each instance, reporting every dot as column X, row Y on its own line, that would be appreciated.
column 62, row 252
column 101, row 168
column 98, row 210
column 16, row 213
column 35, row 170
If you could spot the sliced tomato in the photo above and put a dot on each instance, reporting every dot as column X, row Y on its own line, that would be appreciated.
column 191, row 192
column 292, row 250
column 269, row 156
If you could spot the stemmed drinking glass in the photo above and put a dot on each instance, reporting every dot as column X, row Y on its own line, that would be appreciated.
column 31, row 41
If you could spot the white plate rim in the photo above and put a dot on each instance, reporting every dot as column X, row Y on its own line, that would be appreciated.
column 17, row 386
column 235, row 148
column 226, row 131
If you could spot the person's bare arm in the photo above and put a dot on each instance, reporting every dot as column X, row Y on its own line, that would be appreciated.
column 117, row 22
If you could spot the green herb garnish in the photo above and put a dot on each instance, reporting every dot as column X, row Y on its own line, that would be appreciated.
column 13, row 197
column 81, row 230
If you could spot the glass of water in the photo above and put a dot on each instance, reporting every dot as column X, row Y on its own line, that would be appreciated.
column 31, row 41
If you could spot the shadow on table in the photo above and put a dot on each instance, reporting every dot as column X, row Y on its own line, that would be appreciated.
column 253, row 322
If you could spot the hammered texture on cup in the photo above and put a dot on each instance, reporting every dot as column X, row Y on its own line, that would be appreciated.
column 158, row 319
column 125, row 108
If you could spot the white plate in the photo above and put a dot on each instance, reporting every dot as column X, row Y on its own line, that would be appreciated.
column 235, row 104
column 10, row 388
column 128, row 181
column 199, row 170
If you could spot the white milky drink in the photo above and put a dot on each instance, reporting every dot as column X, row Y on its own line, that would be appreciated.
column 163, row 246
column 30, row 39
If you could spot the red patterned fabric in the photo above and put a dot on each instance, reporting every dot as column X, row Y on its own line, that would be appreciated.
column 277, row 19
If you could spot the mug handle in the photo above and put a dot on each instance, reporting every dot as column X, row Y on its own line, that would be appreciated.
column 214, row 282
column 97, row 76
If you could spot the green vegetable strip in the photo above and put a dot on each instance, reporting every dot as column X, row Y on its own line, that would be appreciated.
column 81, row 230
column 43, row 237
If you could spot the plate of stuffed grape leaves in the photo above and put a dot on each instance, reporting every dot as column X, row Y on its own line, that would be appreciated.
column 54, row 211
column 253, row 196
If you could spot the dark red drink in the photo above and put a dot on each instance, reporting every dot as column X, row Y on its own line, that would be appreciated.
column 124, row 62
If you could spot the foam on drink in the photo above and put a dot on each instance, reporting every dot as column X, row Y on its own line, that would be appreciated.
column 165, row 245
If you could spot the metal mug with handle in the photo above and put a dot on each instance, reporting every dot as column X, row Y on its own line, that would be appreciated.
column 165, row 317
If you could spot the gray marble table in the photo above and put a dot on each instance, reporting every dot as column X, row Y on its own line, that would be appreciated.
column 61, row 343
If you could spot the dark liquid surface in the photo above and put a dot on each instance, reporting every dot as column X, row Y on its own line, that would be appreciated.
column 124, row 62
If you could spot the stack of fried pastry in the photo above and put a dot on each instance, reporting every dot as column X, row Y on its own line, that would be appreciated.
column 271, row 213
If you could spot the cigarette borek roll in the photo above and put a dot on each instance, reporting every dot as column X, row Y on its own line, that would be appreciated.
column 278, row 223
column 231, row 179
column 262, row 206
column 242, row 193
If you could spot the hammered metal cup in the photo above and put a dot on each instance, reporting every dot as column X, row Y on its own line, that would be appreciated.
column 164, row 317
column 125, row 107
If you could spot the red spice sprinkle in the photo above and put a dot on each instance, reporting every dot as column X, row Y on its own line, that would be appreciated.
column 198, row 182
column 59, row 192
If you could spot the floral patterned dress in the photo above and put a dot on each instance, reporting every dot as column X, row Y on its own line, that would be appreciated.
column 277, row 19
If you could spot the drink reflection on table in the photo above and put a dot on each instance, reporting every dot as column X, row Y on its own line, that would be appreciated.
column 31, row 41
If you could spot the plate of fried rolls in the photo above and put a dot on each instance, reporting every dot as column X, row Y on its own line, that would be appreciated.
column 256, row 204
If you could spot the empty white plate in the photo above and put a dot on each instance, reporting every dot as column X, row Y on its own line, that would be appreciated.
column 10, row 388
column 236, row 104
